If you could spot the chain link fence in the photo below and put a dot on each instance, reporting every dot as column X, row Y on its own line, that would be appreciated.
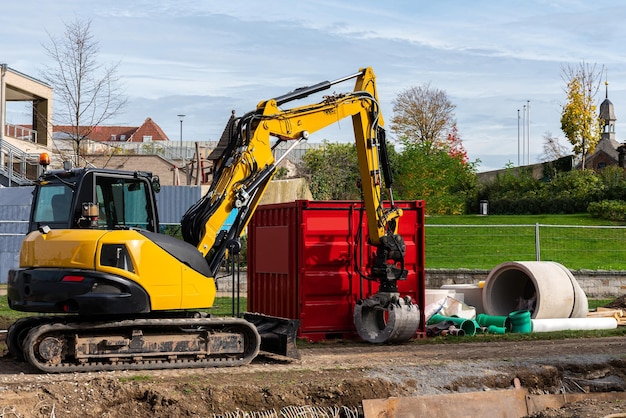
column 485, row 246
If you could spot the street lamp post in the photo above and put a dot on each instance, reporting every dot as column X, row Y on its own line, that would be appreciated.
column 181, row 136
column 518, row 147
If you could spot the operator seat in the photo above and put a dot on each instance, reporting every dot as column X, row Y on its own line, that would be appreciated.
column 60, row 207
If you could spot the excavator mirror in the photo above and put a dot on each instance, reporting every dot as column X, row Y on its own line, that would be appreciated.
column 156, row 184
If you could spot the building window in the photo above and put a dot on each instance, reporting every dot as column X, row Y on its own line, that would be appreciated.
column 147, row 138
column 113, row 138
column 122, row 137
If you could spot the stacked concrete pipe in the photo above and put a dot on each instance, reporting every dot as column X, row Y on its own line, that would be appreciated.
column 545, row 288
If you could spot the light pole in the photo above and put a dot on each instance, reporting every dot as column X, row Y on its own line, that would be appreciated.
column 528, row 133
column 181, row 137
column 518, row 137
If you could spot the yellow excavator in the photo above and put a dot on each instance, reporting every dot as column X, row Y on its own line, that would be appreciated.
column 117, row 294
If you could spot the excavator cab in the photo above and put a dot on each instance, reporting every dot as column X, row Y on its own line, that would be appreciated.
column 95, row 198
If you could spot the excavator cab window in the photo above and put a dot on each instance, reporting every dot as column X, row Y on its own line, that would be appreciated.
column 123, row 202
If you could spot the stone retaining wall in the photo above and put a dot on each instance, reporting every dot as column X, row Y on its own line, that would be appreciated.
column 599, row 284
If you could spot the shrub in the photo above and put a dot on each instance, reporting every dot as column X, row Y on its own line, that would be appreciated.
column 612, row 210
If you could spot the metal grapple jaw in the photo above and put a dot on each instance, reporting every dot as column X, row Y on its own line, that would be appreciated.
column 386, row 317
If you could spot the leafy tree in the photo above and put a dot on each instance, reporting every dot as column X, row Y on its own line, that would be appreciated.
column 453, row 145
column 423, row 114
column 614, row 181
column 580, row 121
column 332, row 171
column 444, row 179
column 87, row 93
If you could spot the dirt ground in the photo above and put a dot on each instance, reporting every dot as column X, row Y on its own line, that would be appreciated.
column 329, row 378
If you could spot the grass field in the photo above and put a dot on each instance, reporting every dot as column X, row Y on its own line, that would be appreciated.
column 482, row 242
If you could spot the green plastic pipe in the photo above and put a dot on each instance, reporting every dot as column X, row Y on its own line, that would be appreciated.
column 467, row 325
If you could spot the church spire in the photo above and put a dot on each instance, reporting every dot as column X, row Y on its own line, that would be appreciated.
column 607, row 114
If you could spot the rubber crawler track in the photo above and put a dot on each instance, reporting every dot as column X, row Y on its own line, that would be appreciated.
column 29, row 346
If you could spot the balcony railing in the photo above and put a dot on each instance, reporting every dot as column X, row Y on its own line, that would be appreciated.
column 20, row 132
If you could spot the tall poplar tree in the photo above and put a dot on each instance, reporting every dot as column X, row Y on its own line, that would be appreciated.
column 580, row 121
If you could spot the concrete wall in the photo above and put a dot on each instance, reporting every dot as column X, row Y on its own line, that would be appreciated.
column 152, row 163
column 288, row 190
column 596, row 284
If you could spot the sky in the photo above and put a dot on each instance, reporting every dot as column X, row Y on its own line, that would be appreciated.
column 206, row 58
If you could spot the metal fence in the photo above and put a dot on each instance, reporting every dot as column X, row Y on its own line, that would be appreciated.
column 473, row 246
column 485, row 246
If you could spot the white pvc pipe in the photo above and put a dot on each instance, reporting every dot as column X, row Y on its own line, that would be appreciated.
column 573, row 324
column 546, row 289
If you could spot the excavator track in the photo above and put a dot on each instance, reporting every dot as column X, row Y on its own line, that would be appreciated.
column 55, row 346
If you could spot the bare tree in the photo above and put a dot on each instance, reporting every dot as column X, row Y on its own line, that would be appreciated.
column 88, row 93
column 423, row 114
column 552, row 148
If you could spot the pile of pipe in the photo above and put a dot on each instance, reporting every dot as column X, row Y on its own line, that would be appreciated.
column 521, row 297
column 548, row 291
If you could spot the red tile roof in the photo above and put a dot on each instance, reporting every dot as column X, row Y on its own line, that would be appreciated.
column 122, row 133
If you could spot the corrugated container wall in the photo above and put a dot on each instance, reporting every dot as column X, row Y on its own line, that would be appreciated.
column 303, row 258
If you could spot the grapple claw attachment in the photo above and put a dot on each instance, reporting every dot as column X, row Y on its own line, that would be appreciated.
column 386, row 317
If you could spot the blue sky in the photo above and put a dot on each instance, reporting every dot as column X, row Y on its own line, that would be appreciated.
column 206, row 58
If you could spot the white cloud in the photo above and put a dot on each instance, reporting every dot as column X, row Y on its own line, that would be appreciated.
column 206, row 58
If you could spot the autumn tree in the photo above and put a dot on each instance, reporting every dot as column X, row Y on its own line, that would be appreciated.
column 87, row 93
column 580, row 121
column 423, row 114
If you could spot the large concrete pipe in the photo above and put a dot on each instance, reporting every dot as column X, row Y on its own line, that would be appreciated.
column 545, row 288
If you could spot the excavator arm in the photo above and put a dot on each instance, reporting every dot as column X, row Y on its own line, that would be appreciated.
column 247, row 164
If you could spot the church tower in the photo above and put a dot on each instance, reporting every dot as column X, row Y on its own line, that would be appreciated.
column 607, row 114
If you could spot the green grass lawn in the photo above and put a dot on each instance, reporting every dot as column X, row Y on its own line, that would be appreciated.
column 482, row 242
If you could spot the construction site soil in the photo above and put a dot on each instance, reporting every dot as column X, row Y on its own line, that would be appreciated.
column 331, row 376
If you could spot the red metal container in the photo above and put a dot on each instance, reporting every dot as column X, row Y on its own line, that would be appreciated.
column 302, row 257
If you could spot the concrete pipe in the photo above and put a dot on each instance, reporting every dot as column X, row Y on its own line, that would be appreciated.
column 545, row 288
column 581, row 304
